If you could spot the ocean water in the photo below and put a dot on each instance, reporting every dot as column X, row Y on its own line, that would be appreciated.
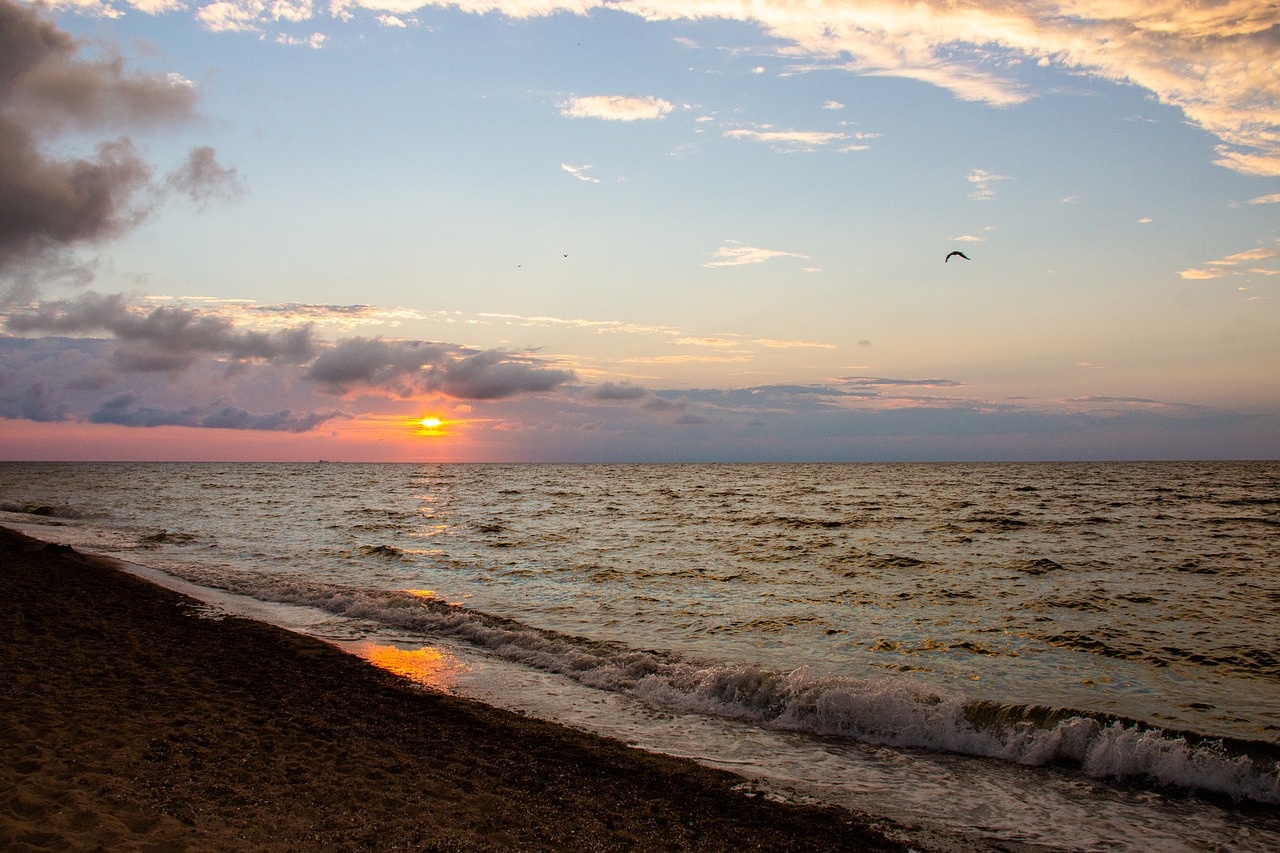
column 1071, row 656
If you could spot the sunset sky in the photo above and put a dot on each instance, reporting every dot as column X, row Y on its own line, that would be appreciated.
column 663, row 230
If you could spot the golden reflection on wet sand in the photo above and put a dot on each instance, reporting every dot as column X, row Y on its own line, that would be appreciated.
column 424, row 665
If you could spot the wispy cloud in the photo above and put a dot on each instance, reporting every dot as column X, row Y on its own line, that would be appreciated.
column 1211, row 60
column 777, row 344
column 603, row 326
column 1251, row 255
column 580, row 172
column 982, row 181
column 736, row 254
column 616, row 107
column 1197, row 274
column 315, row 41
column 881, row 382
column 687, row 359
column 720, row 343
column 1223, row 266
column 1273, row 198
column 787, row 140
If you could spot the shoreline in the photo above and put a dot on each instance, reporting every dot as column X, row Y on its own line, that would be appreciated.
column 130, row 721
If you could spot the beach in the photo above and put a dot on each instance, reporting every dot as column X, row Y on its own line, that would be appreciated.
column 133, row 719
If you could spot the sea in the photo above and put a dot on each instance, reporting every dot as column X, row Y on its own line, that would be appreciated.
column 1046, row 656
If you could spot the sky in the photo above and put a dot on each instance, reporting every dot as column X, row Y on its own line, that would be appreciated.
column 649, row 231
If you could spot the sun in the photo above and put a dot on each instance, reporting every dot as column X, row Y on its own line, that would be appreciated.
column 430, row 423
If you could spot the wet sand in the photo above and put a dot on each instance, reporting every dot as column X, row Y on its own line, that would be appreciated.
column 129, row 720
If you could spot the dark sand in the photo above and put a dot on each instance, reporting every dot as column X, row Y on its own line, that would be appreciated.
column 129, row 721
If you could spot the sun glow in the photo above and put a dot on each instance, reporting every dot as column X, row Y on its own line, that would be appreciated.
column 431, row 425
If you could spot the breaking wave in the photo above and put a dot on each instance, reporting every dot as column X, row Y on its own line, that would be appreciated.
column 885, row 710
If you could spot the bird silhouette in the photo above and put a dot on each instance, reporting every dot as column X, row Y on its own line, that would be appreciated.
column 950, row 255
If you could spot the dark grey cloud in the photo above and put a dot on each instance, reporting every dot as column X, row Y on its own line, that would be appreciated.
column 49, row 202
column 203, row 179
column 414, row 367
column 495, row 375
column 274, row 378
column 375, row 362
column 50, row 87
column 35, row 376
column 790, row 398
column 165, row 339
column 123, row 410
column 33, row 401
column 622, row 391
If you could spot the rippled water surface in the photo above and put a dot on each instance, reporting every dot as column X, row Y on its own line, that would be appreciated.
column 946, row 599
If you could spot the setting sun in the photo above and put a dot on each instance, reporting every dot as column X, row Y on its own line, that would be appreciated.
column 430, row 423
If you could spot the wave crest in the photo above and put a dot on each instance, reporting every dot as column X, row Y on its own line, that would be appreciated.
column 881, row 709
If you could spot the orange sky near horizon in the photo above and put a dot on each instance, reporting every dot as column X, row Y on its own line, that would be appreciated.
column 79, row 442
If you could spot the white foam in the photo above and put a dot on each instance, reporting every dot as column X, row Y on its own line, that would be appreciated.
column 887, row 710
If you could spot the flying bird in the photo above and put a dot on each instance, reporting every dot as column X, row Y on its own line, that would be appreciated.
column 951, row 255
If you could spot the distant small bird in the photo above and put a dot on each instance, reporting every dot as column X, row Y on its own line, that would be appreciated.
column 951, row 255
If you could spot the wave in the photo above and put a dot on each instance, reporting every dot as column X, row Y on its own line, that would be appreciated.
column 882, row 709
column 1247, row 661
column 46, row 510
column 390, row 552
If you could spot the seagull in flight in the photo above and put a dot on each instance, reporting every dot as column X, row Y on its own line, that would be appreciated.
column 951, row 255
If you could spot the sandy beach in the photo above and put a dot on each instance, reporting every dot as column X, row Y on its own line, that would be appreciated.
column 129, row 720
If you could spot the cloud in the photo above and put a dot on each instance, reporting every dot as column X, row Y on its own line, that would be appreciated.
column 833, row 105
column 616, row 107
column 602, row 326
column 1251, row 255
column 788, row 140
column 53, row 201
column 292, row 10
column 1273, row 198
column 168, row 339
column 879, row 382
column 982, row 181
column 232, row 16
column 31, row 402
column 776, row 344
column 57, row 379
column 315, row 41
column 720, row 343
column 203, row 179
column 1259, row 254
column 580, row 172
column 123, row 410
column 616, row 391
column 252, row 16
column 689, row 359
column 420, row 367
column 736, row 254
column 1211, row 60
column 276, row 377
